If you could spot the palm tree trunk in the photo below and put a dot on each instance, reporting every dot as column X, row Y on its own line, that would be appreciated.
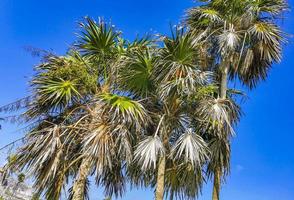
column 216, row 184
column 84, row 170
column 223, row 95
column 159, row 192
column 224, row 82
column 80, row 182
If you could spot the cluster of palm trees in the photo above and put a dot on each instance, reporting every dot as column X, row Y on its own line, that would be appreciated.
column 153, row 112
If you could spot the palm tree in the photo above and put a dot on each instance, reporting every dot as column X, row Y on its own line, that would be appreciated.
column 172, row 152
column 242, row 40
column 60, row 89
column 115, row 119
column 80, row 123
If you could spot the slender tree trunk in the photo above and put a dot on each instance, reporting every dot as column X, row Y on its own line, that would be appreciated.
column 223, row 95
column 224, row 82
column 159, row 192
column 80, row 182
column 216, row 184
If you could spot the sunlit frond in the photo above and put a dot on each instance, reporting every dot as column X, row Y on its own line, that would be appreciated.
column 249, row 37
column 124, row 108
column 221, row 114
column 261, row 54
column 268, row 37
column 42, row 155
column 57, row 92
column 99, row 145
column 273, row 7
column 191, row 147
column 124, row 143
column 148, row 151
column 229, row 40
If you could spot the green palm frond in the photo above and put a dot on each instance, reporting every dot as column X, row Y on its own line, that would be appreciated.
column 60, row 82
column 178, row 70
column 140, row 44
column 58, row 93
column 124, row 108
column 273, row 7
column 201, row 17
column 73, row 66
column 135, row 73
column 97, row 39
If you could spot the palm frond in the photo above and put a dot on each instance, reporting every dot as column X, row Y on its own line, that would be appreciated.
column 58, row 93
column 97, row 38
column 184, row 181
column 219, row 113
column 124, row 108
column 220, row 156
column 199, row 17
column 190, row 147
column 135, row 72
column 17, row 105
column 112, row 180
column 178, row 71
column 99, row 145
column 148, row 151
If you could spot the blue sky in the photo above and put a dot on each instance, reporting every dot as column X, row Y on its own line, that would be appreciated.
column 262, row 157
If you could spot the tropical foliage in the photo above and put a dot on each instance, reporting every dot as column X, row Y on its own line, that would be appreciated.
column 153, row 112
column 242, row 40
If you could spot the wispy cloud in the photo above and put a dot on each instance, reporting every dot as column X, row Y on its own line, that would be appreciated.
column 239, row 168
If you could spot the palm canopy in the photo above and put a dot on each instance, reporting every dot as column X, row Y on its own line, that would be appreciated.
column 77, row 112
column 123, row 111
column 242, row 35
column 179, row 129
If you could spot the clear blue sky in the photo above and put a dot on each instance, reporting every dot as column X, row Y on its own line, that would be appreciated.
column 263, row 156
